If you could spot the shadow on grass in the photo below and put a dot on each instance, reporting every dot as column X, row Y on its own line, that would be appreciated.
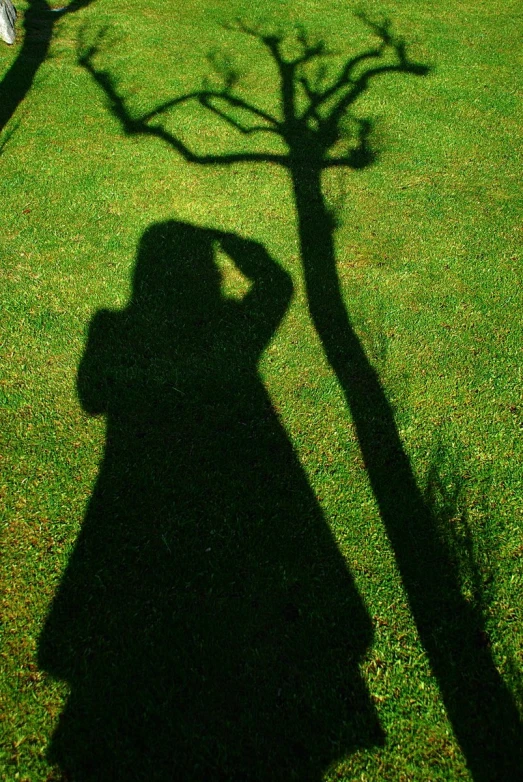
column 314, row 112
column 207, row 624
column 39, row 22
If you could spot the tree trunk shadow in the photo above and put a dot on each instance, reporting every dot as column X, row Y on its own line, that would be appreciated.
column 39, row 23
column 480, row 706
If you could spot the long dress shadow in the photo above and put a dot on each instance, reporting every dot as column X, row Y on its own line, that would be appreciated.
column 207, row 624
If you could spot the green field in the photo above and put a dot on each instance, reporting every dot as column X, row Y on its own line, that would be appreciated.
column 260, row 392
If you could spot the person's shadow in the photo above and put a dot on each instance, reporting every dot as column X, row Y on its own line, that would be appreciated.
column 207, row 624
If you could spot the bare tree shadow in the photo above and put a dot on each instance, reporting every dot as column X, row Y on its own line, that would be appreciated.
column 39, row 23
column 314, row 110
column 207, row 624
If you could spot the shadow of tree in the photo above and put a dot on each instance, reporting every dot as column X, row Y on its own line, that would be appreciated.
column 39, row 22
column 206, row 623
column 314, row 109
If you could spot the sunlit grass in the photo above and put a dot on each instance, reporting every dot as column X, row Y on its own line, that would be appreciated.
column 429, row 255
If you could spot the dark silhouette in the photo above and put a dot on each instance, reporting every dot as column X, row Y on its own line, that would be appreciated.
column 485, row 719
column 39, row 21
column 206, row 623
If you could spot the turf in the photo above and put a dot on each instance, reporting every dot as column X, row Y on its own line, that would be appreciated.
column 240, row 541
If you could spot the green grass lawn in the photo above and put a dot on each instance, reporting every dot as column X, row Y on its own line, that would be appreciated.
column 247, row 532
